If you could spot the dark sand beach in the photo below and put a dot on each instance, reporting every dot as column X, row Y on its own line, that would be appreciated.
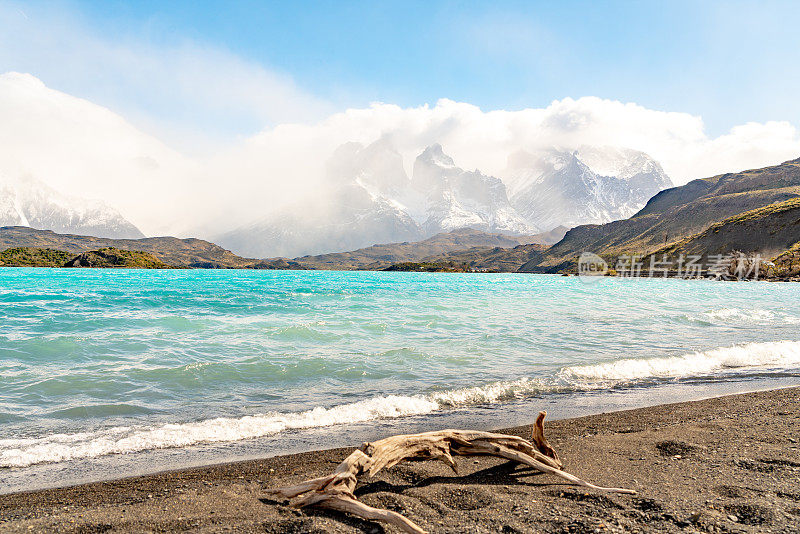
column 726, row 464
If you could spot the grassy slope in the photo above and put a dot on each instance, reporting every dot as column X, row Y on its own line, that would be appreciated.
column 769, row 230
column 428, row 267
column 105, row 257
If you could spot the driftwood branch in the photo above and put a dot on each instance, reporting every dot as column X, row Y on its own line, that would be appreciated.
column 335, row 491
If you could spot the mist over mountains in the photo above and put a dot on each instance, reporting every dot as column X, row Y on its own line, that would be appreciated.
column 409, row 173
column 367, row 197
column 371, row 199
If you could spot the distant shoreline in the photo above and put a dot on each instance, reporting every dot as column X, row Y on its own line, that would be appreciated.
column 404, row 268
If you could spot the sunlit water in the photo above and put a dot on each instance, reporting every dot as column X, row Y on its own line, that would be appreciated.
column 104, row 367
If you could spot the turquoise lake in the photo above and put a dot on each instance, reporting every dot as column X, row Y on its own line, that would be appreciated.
column 111, row 371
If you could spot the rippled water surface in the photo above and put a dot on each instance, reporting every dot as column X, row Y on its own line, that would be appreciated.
column 96, row 362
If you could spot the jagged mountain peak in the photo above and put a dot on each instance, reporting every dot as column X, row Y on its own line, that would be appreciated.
column 370, row 199
column 434, row 170
column 434, row 155
column 614, row 161
column 584, row 185
column 456, row 198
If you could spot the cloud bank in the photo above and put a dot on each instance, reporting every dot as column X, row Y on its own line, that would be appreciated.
column 484, row 139
column 84, row 149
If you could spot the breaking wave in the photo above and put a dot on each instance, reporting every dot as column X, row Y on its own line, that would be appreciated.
column 728, row 316
column 122, row 440
column 754, row 315
column 125, row 439
column 771, row 354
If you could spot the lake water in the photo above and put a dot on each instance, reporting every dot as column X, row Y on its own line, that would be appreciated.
column 110, row 372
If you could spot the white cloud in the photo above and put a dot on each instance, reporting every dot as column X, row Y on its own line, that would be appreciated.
column 485, row 139
column 188, row 93
column 87, row 150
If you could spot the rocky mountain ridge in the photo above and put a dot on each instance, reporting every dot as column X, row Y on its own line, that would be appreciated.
column 369, row 198
column 559, row 188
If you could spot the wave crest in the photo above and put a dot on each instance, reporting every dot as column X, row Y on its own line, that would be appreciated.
column 123, row 440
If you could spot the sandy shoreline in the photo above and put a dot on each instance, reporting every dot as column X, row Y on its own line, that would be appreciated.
column 723, row 464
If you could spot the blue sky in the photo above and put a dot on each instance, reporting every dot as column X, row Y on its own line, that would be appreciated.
column 729, row 62
column 256, row 96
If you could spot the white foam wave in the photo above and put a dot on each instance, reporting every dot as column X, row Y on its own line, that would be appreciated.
column 737, row 314
column 774, row 354
column 123, row 440
column 744, row 315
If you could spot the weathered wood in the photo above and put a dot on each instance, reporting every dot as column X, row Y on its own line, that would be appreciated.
column 335, row 491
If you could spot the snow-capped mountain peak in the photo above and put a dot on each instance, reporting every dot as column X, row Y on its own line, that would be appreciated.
column 371, row 199
column 26, row 201
column 590, row 185
column 457, row 198
column 620, row 162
